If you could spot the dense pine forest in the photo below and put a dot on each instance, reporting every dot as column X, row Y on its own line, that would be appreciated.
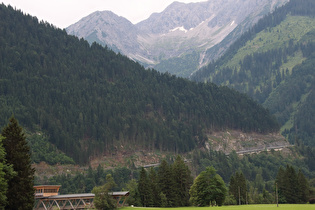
column 88, row 100
column 274, row 64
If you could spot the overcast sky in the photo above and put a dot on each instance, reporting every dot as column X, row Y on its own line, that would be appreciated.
column 63, row 13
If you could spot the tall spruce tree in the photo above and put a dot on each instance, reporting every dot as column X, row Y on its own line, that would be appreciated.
column 280, row 181
column 6, row 173
column 20, row 194
column 183, row 181
column 293, row 187
column 238, row 187
column 167, row 183
column 154, row 186
column 303, row 188
column 144, row 189
column 3, row 180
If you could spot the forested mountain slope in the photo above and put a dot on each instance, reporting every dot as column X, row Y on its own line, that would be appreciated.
column 274, row 63
column 90, row 101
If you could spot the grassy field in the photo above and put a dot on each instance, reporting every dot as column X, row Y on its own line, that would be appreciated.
column 243, row 207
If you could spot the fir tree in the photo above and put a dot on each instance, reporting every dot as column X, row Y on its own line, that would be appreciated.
column 6, row 173
column 293, row 187
column 238, row 187
column 144, row 189
column 20, row 193
column 303, row 188
column 167, row 183
column 183, row 181
column 154, row 186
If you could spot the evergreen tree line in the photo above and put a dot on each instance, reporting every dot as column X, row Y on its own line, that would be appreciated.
column 259, row 169
column 89, row 100
column 289, row 187
column 16, row 172
column 168, row 187
column 293, row 187
column 250, row 179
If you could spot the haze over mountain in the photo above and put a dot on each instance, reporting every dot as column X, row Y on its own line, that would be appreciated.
column 179, row 31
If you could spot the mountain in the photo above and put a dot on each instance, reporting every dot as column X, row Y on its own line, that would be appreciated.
column 107, row 28
column 273, row 63
column 88, row 101
column 181, row 32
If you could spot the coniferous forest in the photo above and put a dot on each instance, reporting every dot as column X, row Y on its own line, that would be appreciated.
column 88, row 100
column 274, row 64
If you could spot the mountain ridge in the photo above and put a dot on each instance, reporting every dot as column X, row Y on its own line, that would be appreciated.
column 180, row 30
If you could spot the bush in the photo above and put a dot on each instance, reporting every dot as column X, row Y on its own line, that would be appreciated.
column 230, row 200
column 312, row 201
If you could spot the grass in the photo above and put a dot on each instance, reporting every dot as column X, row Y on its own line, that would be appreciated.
column 291, row 28
column 243, row 207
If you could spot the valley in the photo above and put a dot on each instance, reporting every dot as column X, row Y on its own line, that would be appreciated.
column 88, row 114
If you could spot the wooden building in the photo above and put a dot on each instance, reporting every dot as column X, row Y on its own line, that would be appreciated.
column 46, row 190
column 47, row 197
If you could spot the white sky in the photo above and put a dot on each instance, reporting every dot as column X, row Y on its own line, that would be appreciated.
column 63, row 13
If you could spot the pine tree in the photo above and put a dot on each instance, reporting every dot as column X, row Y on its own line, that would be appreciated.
column 154, row 186
column 144, row 189
column 238, row 187
column 281, row 185
column 20, row 193
column 167, row 183
column 233, row 187
column 183, row 181
column 293, row 187
column 6, row 173
column 303, row 188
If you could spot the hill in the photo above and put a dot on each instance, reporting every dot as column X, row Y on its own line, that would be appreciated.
column 88, row 101
column 178, row 39
column 273, row 63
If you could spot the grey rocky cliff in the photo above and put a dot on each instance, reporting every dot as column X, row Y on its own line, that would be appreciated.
column 181, row 29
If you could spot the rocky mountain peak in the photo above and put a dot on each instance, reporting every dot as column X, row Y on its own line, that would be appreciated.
column 180, row 29
column 107, row 28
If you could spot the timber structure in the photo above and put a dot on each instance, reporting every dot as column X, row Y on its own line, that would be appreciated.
column 47, row 197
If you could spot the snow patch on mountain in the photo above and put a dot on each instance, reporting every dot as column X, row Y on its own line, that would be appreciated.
column 179, row 28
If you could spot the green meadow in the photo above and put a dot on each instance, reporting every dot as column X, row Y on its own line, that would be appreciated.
column 242, row 207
